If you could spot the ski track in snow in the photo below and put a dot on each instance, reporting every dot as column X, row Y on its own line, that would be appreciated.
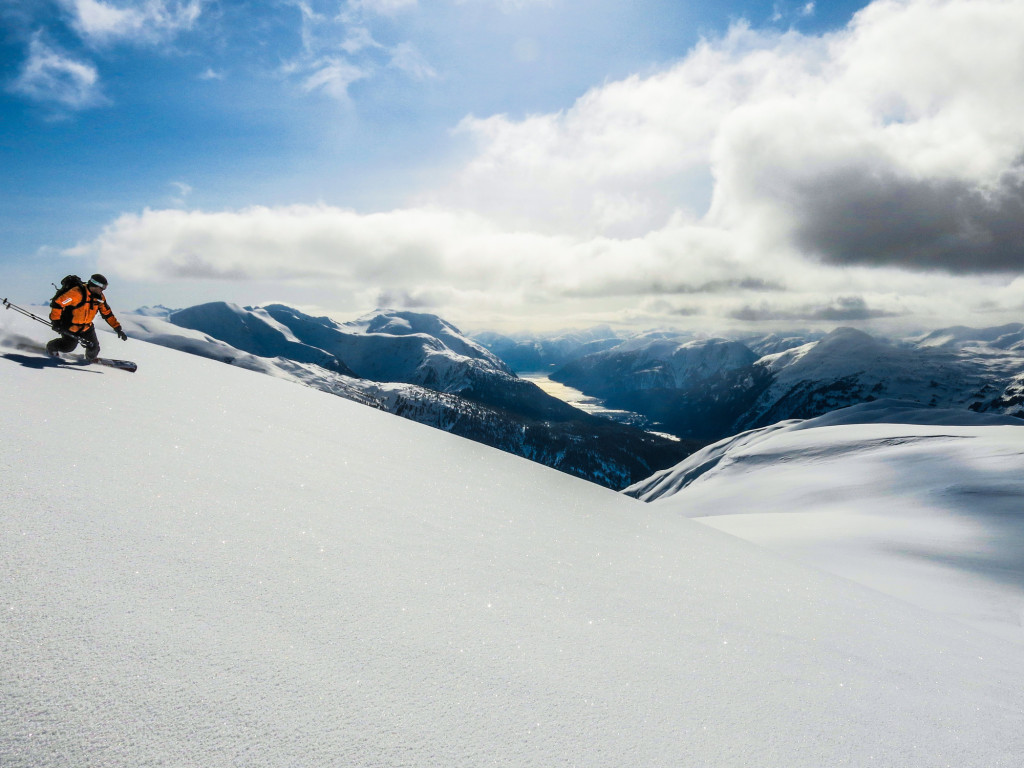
column 200, row 566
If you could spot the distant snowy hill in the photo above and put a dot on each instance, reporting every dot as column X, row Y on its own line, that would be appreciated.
column 925, row 504
column 420, row 367
column 1007, row 337
column 710, row 389
column 206, row 567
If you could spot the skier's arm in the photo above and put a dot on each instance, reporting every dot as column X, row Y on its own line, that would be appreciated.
column 112, row 321
column 108, row 315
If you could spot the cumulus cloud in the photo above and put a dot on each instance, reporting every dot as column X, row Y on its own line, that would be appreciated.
column 766, row 175
column 856, row 216
column 896, row 140
column 412, row 249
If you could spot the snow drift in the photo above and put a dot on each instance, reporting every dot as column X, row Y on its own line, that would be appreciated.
column 926, row 504
column 206, row 567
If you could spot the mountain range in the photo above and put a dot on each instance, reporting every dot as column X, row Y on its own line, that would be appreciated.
column 207, row 567
column 698, row 390
column 421, row 367
column 707, row 389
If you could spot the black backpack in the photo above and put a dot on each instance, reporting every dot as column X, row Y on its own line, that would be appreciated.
column 66, row 284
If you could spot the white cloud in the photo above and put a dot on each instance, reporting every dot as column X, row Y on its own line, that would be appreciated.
column 418, row 252
column 764, row 175
column 357, row 40
column 333, row 76
column 506, row 5
column 460, row 265
column 150, row 21
column 915, row 101
column 52, row 77
column 338, row 50
column 383, row 7
column 407, row 58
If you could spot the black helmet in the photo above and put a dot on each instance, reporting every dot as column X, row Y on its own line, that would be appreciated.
column 98, row 280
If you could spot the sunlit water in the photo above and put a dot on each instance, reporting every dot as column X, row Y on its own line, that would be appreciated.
column 591, row 405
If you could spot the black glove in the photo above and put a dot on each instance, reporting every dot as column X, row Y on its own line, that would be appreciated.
column 121, row 334
column 57, row 326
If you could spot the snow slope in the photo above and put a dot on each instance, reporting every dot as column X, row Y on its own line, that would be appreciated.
column 202, row 566
column 924, row 504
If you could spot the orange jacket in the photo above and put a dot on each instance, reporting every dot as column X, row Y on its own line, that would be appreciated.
column 78, row 307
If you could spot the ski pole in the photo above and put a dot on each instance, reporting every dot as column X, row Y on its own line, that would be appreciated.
column 25, row 312
column 67, row 334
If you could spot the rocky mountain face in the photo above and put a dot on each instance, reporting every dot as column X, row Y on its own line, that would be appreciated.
column 423, row 368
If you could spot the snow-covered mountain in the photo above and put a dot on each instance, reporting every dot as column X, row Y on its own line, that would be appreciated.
column 773, row 343
column 925, row 504
column 529, row 353
column 711, row 389
column 255, row 331
column 401, row 347
column 848, row 366
column 420, row 367
column 206, row 567
column 1008, row 337
column 654, row 361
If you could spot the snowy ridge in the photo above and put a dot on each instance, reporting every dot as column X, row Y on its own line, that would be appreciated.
column 1009, row 337
column 848, row 366
column 266, row 575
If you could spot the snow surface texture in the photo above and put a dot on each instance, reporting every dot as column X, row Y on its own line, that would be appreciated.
column 206, row 567
column 924, row 504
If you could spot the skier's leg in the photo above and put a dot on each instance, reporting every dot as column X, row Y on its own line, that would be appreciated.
column 92, row 345
column 63, row 344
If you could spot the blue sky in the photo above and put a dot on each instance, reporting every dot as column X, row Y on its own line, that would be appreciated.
column 477, row 157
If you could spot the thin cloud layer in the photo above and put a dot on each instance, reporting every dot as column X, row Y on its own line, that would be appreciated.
column 339, row 47
column 102, row 23
column 315, row 46
column 52, row 77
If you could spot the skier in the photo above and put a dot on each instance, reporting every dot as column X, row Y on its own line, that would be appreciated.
column 72, row 313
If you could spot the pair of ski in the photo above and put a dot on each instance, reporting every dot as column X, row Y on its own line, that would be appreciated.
column 122, row 365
